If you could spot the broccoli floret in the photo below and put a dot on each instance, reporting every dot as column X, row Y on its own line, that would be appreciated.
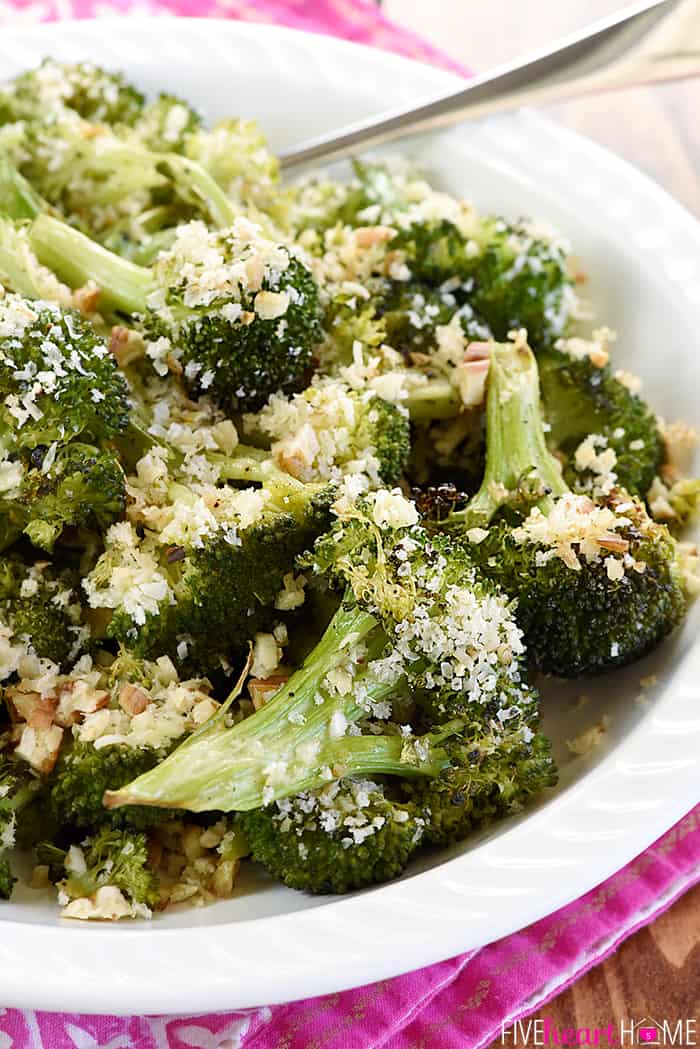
column 163, row 710
column 598, row 584
column 342, row 837
column 17, row 789
column 82, row 775
column 412, row 620
column 374, row 194
column 115, row 858
column 495, row 768
column 412, row 312
column 109, row 184
column 91, row 92
column 236, row 155
column 581, row 398
column 41, row 606
column 59, row 383
column 511, row 277
column 330, row 429
column 57, row 378
column 166, row 124
column 250, row 335
column 206, row 578
column 82, row 487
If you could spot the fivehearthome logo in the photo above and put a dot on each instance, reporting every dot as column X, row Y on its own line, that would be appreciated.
column 647, row 1033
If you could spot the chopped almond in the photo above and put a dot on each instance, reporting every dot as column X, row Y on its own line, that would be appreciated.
column 263, row 689
column 368, row 236
column 86, row 299
column 40, row 747
column 76, row 699
column 133, row 700
column 37, row 710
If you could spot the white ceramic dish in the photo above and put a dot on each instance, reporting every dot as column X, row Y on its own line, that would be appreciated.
column 643, row 253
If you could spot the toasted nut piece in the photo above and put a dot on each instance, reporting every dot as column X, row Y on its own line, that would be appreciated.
column 224, row 877
column 87, row 298
column 76, row 699
column 133, row 700
column 191, row 844
column 40, row 747
column 262, row 689
column 22, row 702
column 368, row 236
column 269, row 305
column 126, row 345
column 42, row 715
column 613, row 542
column 478, row 351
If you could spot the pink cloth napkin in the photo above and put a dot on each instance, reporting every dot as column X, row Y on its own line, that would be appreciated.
column 462, row 1003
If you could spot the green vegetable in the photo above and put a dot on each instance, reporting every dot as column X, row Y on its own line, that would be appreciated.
column 212, row 594
column 581, row 398
column 597, row 585
column 117, row 858
column 342, row 837
column 496, row 767
column 91, row 92
column 17, row 789
column 40, row 604
column 83, row 487
column 413, row 620
column 83, row 774
column 249, row 337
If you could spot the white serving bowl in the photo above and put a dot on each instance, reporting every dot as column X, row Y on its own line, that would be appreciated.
column 642, row 252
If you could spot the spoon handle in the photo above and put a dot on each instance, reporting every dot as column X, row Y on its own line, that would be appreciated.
column 651, row 41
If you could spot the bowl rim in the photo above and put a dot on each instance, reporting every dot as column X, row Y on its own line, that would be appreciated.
column 323, row 949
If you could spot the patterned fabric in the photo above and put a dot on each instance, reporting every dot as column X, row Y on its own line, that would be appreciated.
column 457, row 1004
column 358, row 20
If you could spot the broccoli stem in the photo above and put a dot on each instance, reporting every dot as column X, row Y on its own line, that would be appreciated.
column 18, row 198
column 189, row 175
column 289, row 745
column 437, row 399
column 76, row 260
column 516, row 449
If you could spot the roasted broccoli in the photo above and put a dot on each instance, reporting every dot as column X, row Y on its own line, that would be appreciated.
column 412, row 313
column 511, row 276
column 165, row 124
column 341, row 837
column 413, row 620
column 57, row 378
column 82, row 775
column 111, row 185
column 331, row 430
column 89, row 91
column 598, row 584
column 581, row 398
column 207, row 571
column 61, row 389
column 110, row 859
column 17, row 789
column 496, row 766
column 142, row 711
column 235, row 313
column 80, row 487
column 41, row 606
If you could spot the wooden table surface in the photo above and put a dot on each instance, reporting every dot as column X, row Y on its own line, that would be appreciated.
column 657, row 971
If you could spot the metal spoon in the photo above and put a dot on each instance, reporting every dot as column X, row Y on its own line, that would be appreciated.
column 651, row 41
